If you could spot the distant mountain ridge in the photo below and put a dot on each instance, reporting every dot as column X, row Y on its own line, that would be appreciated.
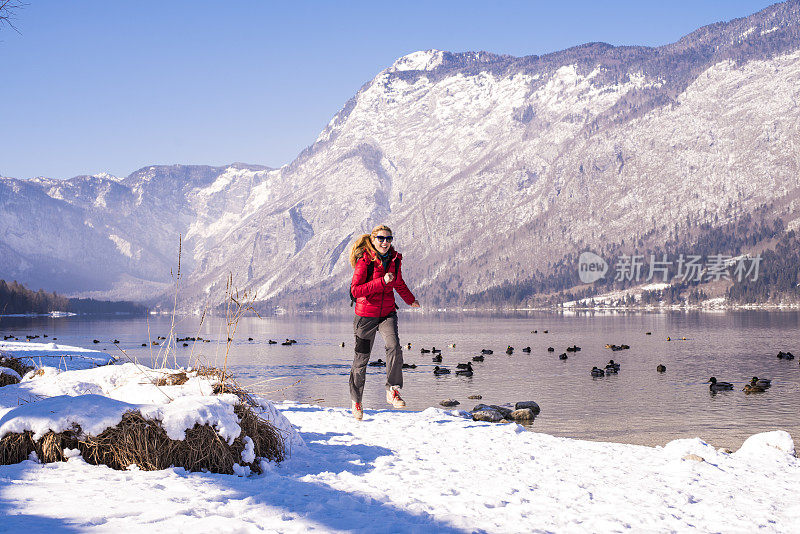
column 490, row 168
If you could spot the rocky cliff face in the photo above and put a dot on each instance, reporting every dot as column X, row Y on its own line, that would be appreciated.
column 488, row 168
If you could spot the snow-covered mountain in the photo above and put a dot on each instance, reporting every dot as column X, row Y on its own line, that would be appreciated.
column 115, row 238
column 488, row 168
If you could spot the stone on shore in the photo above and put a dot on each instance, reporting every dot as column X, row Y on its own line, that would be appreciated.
column 528, row 404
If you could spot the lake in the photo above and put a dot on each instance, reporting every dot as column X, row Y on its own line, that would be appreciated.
column 638, row 405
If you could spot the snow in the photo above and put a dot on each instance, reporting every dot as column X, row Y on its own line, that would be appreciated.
column 421, row 60
column 434, row 470
column 183, row 413
column 50, row 354
column 123, row 246
column 10, row 372
column 93, row 413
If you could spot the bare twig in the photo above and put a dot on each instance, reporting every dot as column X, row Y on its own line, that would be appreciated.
column 8, row 12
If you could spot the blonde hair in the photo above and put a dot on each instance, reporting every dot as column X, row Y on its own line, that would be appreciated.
column 363, row 244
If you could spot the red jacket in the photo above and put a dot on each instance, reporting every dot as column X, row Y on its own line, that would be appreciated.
column 375, row 298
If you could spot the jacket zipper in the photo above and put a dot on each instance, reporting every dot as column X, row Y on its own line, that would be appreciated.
column 383, row 294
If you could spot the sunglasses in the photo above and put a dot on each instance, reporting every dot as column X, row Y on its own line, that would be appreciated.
column 383, row 238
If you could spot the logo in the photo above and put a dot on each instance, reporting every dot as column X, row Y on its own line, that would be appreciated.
column 591, row 267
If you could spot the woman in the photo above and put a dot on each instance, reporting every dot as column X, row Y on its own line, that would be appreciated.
column 373, row 257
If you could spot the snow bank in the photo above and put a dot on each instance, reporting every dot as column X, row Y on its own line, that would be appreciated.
column 52, row 355
column 94, row 396
column 93, row 413
column 95, row 399
column 777, row 445
column 10, row 372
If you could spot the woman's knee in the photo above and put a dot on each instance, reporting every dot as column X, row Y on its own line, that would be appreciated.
column 363, row 345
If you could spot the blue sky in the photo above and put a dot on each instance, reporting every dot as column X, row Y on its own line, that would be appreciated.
column 94, row 86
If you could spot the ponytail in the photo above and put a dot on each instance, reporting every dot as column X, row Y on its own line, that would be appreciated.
column 361, row 245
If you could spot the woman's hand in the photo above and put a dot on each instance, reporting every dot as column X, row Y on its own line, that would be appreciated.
column 388, row 277
column 415, row 304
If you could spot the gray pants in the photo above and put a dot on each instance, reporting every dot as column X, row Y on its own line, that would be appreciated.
column 365, row 328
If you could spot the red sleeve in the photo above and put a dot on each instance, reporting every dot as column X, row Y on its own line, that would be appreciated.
column 400, row 284
column 360, row 286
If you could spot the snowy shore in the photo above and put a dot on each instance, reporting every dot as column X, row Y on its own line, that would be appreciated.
column 397, row 471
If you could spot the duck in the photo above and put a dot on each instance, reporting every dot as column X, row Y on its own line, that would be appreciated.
column 441, row 370
column 573, row 348
column 424, row 351
column 761, row 382
column 437, row 358
column 271, row 342
column 612, row 363
column 661, row 368
column 648, row 333
column 478, row 358
column 785, row 355
column 752, row 388
column 718, row 386
column 597, row 372
column 465, row 372
column 342, row 344
column 436, row 351
column 286, row 343
column 463, row 365
column 545, row 331
column 249, row 339
column 526, row 349
column 408, row 346
column 510, row 350
column 377, row 363
column 185, row 344
column 562, row 356
column 144, row 344
column 487, row 351
column 409, row 366
column 550, row 349
column 534, row 331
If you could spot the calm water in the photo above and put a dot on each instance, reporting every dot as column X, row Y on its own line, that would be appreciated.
column 637, row 406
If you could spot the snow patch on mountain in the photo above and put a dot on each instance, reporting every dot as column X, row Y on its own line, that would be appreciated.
column 421, row 60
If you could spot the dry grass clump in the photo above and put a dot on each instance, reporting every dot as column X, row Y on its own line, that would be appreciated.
column 172, row 379
column 144, row 442
column 15, row 364
column 224, row 382
column 15, row 448
column 7, row 380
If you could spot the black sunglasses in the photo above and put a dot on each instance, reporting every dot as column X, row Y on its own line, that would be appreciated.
column 383, row 238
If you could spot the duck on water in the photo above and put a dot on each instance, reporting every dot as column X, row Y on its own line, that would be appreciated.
column 718, row 386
